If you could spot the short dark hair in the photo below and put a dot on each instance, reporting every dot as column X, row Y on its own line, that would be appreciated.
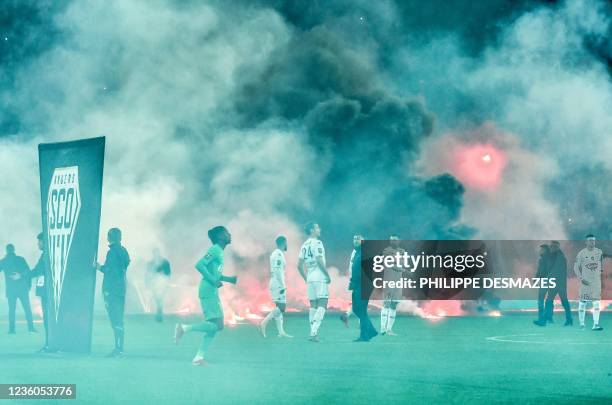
column 215, row 232
column 309, row 227
column 40, row 236
column 545, row 246
column 114, row 235
column 280, row 240
column 590, row 235
column 554, row 242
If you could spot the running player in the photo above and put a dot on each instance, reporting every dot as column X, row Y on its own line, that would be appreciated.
column 588, row 268
column 278, row 288
column 211, row 268
column 312, row 256
column 392, row 296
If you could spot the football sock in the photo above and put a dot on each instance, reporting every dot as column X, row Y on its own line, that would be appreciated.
column 311, row 315
column 581, row 312
column 384, row 319
column 596, row 312
column 210, row 330
column 317, row 319
column 391, row 318
column 271, row 314
column 279, row 322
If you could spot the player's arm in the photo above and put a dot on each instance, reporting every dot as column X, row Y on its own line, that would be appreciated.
column 39, row 268
column 300, row 267
column 276, row 274
column 321, row 264
column 107, row 261
column 578, row 270
column 203, row 266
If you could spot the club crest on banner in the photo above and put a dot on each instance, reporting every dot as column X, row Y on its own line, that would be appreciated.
column 63, row 207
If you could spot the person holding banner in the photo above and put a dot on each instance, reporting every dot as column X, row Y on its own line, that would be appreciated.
column 38, row 272
column 211, row 269
column 18, row 283
column 114, row 285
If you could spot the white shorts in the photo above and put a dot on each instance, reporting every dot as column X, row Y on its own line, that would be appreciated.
column 317, row 290
column 277, row 295
column 591, row 292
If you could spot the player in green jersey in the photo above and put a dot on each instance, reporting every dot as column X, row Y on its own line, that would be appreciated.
column 211, row 268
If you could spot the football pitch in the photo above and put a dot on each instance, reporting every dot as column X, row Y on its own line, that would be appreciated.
column 451, row 360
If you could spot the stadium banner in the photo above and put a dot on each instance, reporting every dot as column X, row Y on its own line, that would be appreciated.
column 485, row 269
column 71, row 193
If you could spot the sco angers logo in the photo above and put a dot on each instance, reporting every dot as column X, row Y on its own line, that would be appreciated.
column 63, row 207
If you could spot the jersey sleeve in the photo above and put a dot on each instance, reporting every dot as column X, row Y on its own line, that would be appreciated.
column 578, row 265
column 319, row 250
column 302, row 254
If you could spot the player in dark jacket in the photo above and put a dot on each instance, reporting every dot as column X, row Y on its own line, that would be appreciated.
column 38, row 272
column 558, row 270
column 18, row 283
column 361, row 292
column 542, row 272
column 114, row 286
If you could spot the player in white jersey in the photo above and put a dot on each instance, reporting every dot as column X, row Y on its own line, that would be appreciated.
column 278, row 288
column 588, row 268
column 311, row 265
column 392, row 296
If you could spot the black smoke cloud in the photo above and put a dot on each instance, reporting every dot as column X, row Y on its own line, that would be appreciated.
column 365, row 137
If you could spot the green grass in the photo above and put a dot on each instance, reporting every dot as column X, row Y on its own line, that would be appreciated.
column 450, row 360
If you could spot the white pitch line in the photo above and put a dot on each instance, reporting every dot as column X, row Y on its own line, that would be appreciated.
column 505, row 338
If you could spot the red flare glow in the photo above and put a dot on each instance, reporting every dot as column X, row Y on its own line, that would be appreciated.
column 478, row 166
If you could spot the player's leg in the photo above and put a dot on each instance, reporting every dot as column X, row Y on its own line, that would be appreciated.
column 280, row 320
column 264, row 323
column 120, row 315
column 209, row 328
column 159, row 307
column 384, row 317
column 274, row 292
column 321, row 305
column 312, row 298
column 566, row 305
column 596, row 313
column 391, row 312
column 344, row 316
column 109, row 305
column 581, row 312
column 114, row 311
column 541, row 321
column 357, row 305
column 24, row 298
column 318, row 318
column 45, row 315
column 12, row 304
column 213, row 313
column 550, row 304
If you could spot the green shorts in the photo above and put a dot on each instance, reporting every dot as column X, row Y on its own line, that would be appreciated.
column 211, row 306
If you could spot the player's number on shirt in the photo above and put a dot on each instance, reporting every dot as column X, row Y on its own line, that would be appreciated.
column 307, row 252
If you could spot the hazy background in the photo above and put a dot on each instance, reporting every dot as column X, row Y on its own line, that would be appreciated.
column 477, row 120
